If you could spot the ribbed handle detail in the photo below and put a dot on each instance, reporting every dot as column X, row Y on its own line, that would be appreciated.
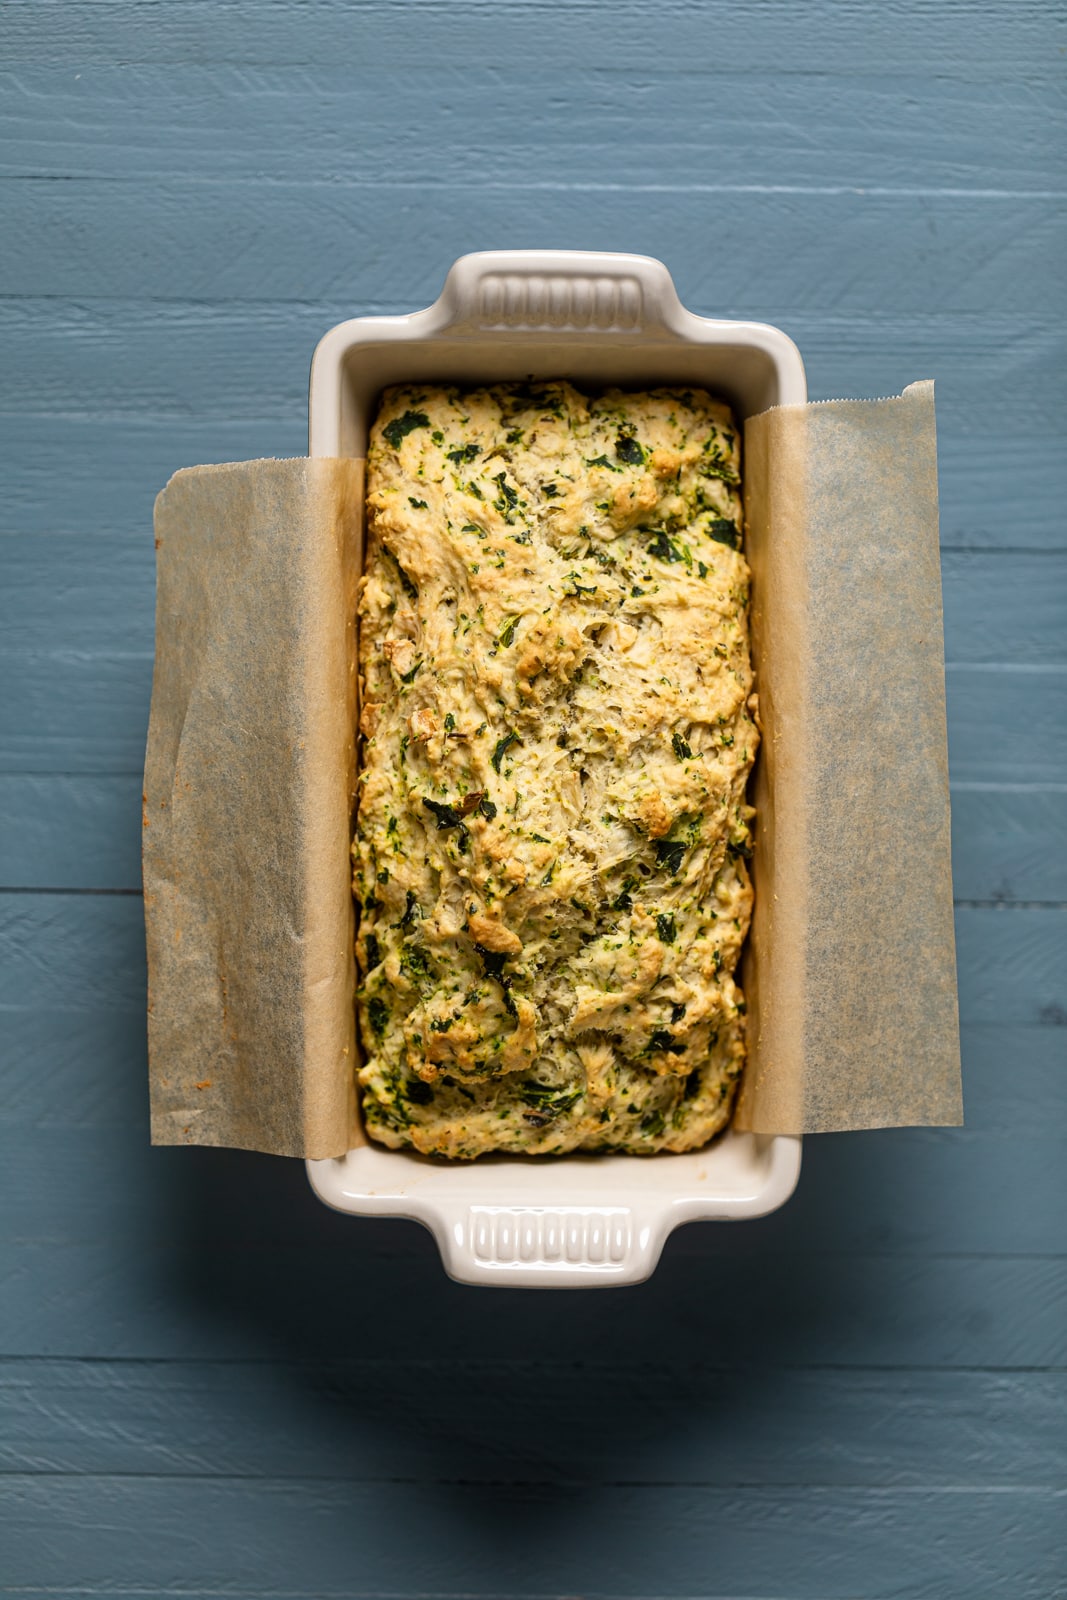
column 546, row 300
column 587, row 1237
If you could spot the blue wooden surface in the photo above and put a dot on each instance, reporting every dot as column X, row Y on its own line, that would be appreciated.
column 210, row 1385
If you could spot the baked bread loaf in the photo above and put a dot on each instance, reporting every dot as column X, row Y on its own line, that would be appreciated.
column 558, row 724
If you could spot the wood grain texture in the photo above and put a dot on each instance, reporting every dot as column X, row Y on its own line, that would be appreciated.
column 216, row 1282
column 422, row 1421
column 984, row 41
column 74, row 832
column 211, row 1386
column 231, row 239
column 165, row 119
column 239, row 1538
column 173, row 360
column 925, row 1195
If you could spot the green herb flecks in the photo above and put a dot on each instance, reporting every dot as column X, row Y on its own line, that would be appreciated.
column 486, row 808
column 546, row 1103
column 509, row 497
column 417, row 1092
column 627, row 449
column 373, row 952
column 723, row 531
column 543, row 1094
column 409, row 677
column 669, row 854
column 577, row 588
column 665, row 926
column 715, row 467
column 466, row 452
column 507, row 633
column 624, row 900
column 400, row 427
column 378, row 1012
column 447, row 816
column 493, row 966
column 414, row 962
column 681, row 747
column 502, row 746
column 405, row 582
column 664, row 547
column 492, row 960
column 524, row 397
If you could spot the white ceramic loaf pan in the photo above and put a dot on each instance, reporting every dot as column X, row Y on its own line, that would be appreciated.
column 597, row 320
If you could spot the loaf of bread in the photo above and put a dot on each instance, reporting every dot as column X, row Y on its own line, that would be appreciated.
column 558, row 724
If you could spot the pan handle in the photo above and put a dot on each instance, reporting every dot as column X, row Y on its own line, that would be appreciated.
column 538, row 291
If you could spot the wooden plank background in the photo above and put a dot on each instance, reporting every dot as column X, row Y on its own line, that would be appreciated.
column 211, row 1386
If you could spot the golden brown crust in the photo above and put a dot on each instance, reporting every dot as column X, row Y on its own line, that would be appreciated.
column 552, row 838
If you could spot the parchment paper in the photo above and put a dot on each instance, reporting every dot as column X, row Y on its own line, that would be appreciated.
column 851, row 970
column 249, row 784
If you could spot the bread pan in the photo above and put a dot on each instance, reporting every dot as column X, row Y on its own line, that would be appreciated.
column 596, row 319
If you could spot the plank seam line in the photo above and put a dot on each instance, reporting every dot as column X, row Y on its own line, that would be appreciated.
column 841, row 1258
column 117, row 1592
column 335, row 308
column 330, row 1366
column 1058, row 1491
column 544, row 185
column 93, row 773
column 1045, row 668
column 31, row 889
column 984, row 905
column 980, row 549
column 976, row 786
